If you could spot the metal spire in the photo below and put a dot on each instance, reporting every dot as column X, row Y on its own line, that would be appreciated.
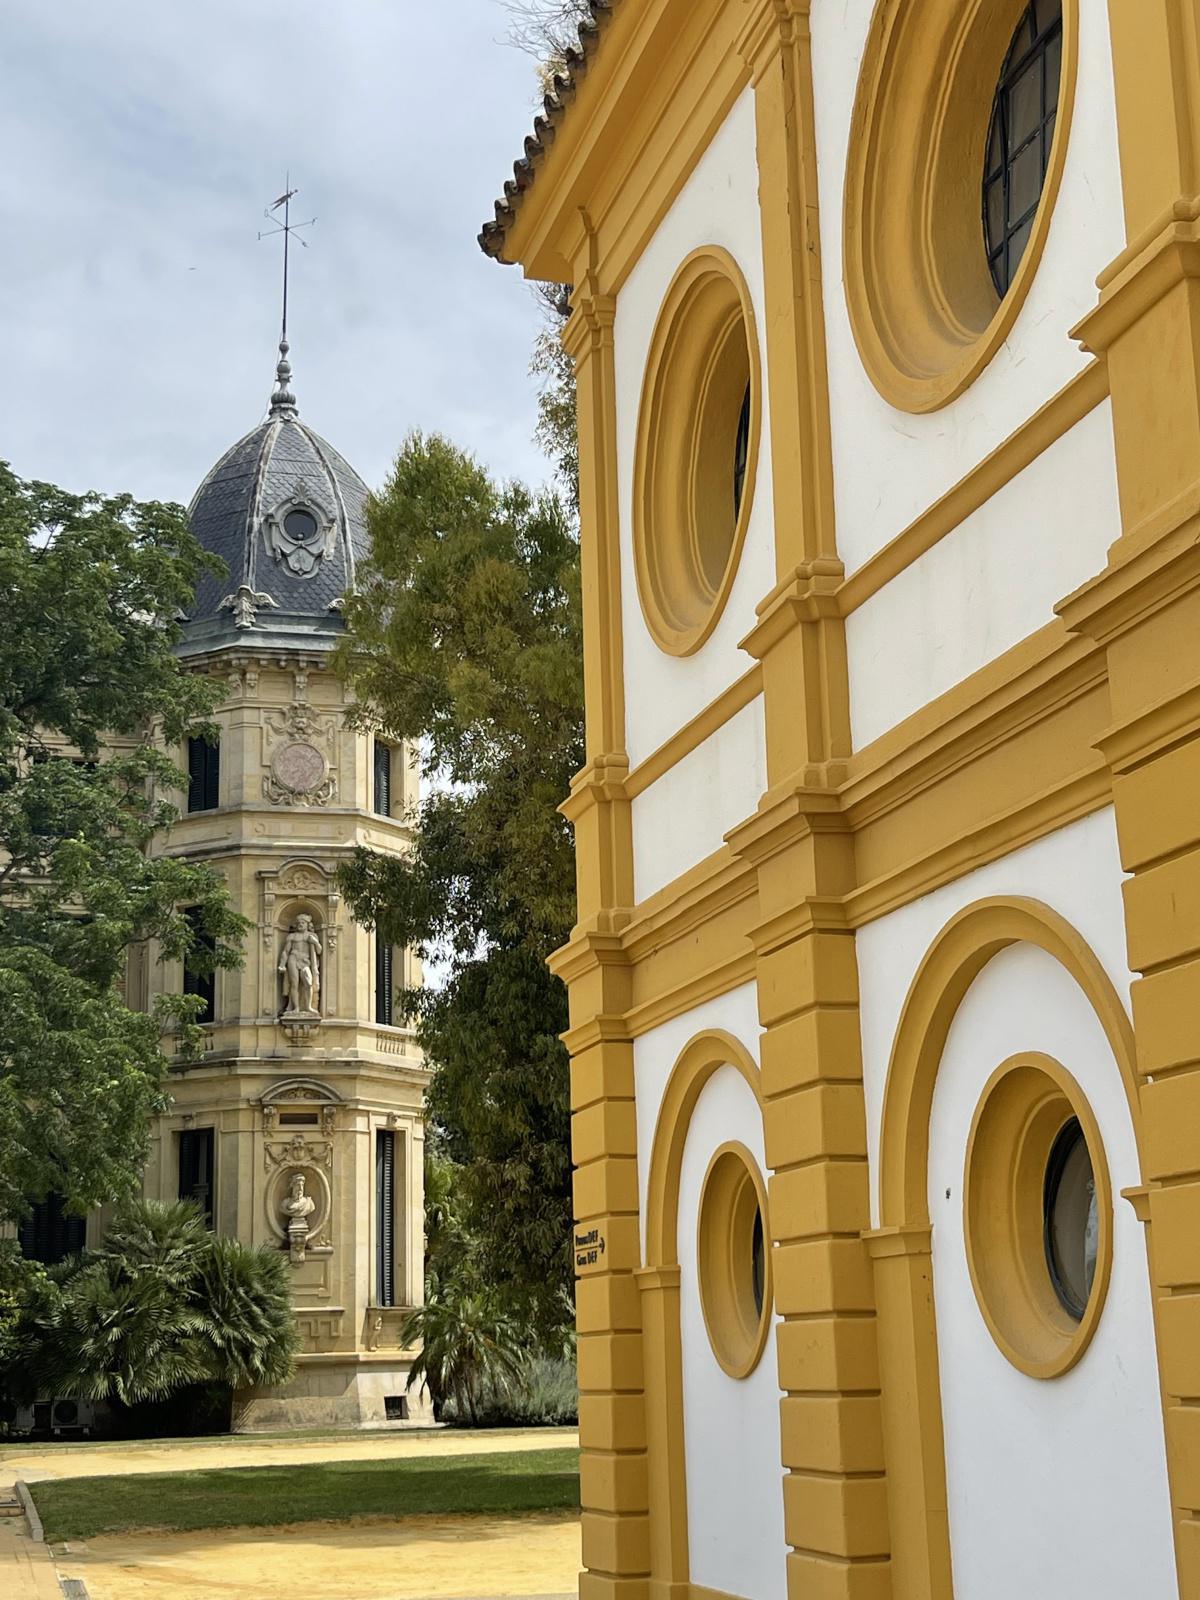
column 283, row 401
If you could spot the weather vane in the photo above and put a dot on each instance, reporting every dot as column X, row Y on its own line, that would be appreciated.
column 287, row 228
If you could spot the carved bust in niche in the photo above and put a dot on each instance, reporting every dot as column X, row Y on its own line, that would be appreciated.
column 297, row 1208
column 300, row 966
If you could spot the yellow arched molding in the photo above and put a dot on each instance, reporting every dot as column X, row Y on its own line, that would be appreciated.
column 921, row 298
column 658, row 1282
column 700, row 1058
column 901, row 1246
column 957, row 956
column 1024, row 1106
column 687, row 538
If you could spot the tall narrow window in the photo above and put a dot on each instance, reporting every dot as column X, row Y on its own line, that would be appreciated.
column 383, row 778
column 198, row 979
column 384, row 1004
column 196, row 1169
column 204, row 775
column 385, row 1217
column 50, row 1233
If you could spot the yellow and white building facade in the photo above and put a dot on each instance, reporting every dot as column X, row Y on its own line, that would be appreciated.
column 885, row 1034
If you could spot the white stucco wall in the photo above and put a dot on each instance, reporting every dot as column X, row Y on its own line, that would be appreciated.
column 888, row 465
column 736, row 1542
column 1055, row 1487
column 718, row 205
column 1077, row 871
column 987, row 585
column 682, row 818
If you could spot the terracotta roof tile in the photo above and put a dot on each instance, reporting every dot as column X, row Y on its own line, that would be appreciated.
column 545, row 126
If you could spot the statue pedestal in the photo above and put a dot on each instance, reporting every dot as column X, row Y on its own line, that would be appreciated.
column 300, row 1026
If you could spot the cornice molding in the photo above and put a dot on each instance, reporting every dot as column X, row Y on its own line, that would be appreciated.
column 1142, row 276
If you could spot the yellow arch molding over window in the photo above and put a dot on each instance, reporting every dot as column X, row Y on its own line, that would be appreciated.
column 922, row 303
column 697, row 450
column 901, row 1246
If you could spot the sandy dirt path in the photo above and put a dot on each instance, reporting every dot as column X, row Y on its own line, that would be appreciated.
column 84, row 1460
column 421, row 1558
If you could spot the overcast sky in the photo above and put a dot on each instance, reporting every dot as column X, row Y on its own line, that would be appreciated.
column 139, row 313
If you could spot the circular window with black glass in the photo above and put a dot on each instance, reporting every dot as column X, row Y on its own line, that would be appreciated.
column 734, row 1260
column 1020, row 138
column 1037, row 1215
column 697, row 444
column 300, row 524
column 964, row 110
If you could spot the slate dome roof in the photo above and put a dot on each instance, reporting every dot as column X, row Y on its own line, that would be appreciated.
column 286, row 513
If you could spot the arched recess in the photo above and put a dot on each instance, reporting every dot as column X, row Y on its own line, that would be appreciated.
column 658, row 1282
column 901, row 1245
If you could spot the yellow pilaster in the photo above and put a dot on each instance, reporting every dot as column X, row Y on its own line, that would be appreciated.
column 613, row 1469
column 835, row 1505
column 1145, row 610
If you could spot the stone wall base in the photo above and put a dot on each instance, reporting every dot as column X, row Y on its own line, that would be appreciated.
column 331, row 1393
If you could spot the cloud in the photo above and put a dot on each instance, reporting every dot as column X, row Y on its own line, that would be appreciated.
column 138, row 310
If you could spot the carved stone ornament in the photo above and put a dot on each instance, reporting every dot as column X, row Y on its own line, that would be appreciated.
column 302, row 880
column 300, row 533
column 245, row 603
column 296, row 1151
column 299, row 776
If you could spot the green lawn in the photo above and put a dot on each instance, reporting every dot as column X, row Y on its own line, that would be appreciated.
column 229, row 1497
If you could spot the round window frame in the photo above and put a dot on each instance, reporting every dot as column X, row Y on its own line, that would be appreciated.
column 707, row 301
column 1024, row 1106
column 922, row 304
column 737, row 1333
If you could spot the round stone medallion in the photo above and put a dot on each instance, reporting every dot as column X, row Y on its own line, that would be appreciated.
column 299, row 767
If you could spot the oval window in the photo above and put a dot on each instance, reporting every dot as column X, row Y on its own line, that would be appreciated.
column 1037, row 1215
column 734, row 1260
column 697, row 446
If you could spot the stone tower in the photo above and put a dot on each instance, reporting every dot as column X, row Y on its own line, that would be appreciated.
column 301, row 1127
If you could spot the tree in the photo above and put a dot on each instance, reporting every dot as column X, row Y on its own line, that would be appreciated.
column 546, row 30
column 90, row 691
column 468, row 1345
column 557, row 431
column 464, row 641
column 162, row 1305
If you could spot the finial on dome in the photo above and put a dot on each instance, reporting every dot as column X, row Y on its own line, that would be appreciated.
column 283, row 401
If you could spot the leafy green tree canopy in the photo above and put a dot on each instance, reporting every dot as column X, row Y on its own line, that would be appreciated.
column 464, row 640
column 89, row 691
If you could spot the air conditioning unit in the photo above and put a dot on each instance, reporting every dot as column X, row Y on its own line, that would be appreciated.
column 59, row 1416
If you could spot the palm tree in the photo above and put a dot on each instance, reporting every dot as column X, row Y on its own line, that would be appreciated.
column 467, row 1343
column 249, row 1329
column 161, row 1305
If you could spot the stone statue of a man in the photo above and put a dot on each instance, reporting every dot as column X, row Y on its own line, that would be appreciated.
column 297, row 1208
column 300, row 964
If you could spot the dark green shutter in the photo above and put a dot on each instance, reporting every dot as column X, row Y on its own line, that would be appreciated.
column 383, row 779
column 385, row 1217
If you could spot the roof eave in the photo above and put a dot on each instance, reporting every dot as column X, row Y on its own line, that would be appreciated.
column 504, row 237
